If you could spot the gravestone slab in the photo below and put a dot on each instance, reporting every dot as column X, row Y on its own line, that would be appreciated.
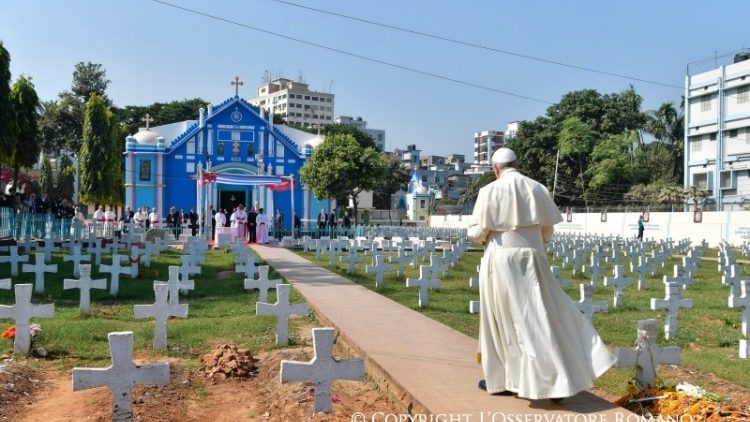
column 121, row 376
column 323, row 370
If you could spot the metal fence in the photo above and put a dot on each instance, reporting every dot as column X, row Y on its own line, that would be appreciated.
column 26, row 225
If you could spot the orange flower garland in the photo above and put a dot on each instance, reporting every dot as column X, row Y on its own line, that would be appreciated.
column 667, row 403
column 10, row 333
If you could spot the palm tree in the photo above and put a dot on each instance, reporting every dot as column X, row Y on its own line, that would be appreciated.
column 667, row 124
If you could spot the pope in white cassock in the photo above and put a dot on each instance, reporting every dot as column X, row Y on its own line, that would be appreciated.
column 533, row 341
column 221, row 220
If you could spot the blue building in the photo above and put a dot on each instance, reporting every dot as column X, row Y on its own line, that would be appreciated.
column 234, row 140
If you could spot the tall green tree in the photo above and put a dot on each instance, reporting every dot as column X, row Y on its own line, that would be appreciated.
column 28, row 138
column 116, row 160
column 46, row 182
column 341, row 168
column 95, row 152
column 8, row 125
column 88, row 79
column 577, row 142
column 65, row 177
column 667, row 124
column 162, row 113
column 397, row 177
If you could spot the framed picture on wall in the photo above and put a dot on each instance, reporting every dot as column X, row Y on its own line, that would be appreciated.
column 645, row 216
column 604, row 216
column 569, row 216
column 697, row 215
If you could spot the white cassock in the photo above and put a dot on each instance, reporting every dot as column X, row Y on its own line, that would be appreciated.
column 154, row 220
column 220, row 220
column 532, row 338
column 99, row 220
column 261, row 229
column 109, row 223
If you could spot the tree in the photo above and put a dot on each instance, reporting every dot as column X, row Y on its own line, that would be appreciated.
column 362, row 138
column 162, row 113
column 90, row 78
column 341, row 168
column 470, row 196
column 397, row 177
column 577, row 142
column 45, row 176
column 8, row 126
column 28, row 138
column 667, row 126
column 95, row 152
column 116, row 160
column 65, row 177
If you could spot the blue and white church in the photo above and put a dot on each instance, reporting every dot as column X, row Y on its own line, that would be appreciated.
column 249, row 160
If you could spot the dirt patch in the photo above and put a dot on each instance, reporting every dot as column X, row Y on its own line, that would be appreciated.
column 18, row 384
column 224, row 275
column 105, row 311
column 740, row 395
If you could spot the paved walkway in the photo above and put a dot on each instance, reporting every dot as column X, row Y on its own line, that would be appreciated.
column 432, row 364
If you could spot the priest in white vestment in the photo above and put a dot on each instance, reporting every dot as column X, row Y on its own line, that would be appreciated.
column 220, row 220
column 109, row 222
column 99, row 221
column 533, row 340
column 154, row 219
column 241, row 220
column 261, row 227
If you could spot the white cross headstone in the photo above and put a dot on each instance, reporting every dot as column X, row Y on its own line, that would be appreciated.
column 77, row 258
column 187, row 268
column 161, row 310
column 115, row 270
column 474, row 306
column 647, row 354
column 95, row 247
column 48, row 248
column 39, row 268
column 85, row 284
column 595, row 268
column 563, row 282
column 176, row 285
column 743, row 302
column 14, row 259
column 744, row 349
column 379, row 268
column 352, row 259
column 150, row 250
column 641, row 268
column 332, row 253
column 246, row 265
column 424, row 282
column 323, row 370
column 282, row 310
column 402, row 258
column 27, row 244
column 262, row 283
column 121, row 376
column 672, row 302
column 21, row 313
column 438, row 266
column 586, row 304
column 135, row 261
column 618, row 282
column 732, row 279
column 682, row 276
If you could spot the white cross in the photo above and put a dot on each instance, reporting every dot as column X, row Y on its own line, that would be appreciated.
column 731, row 279
column 332, row 254
column 14, row 258
column 77, row 258
column 352, row 259
column 48, row 248
column 237, row 84
column 262, row 283
column 641, row 269
column 21, row 313
column 744, row 349
column 595, row 268
column 474, row 306
column 402, row 258
column 247, row 265
column 647, row 354
column 27, row 244
column 95, row 247
column 148, row 119
column 115, row 269
column 85, row 284
column 586, row 304
column 682, row 276
column 424, row 282
column 121, row 376
column 282, row 310
column 175, row 285
column 150, row 250
column 39, row 268
column 672, row 302
column 323, row 370
column 563, row 282
column 438, row 266
column 619, row 282
column 187, row 267
column 740, row 302
column 135, row 254
column 379, row 268
column 161, row 310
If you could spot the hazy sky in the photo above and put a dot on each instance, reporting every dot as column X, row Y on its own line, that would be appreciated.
column 156, row 53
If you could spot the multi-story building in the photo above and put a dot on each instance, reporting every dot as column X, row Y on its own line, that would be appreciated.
column 512, row 130
column 409, row 157
column 295, row 102
column 717, row 132
column 378, row 135
column 485, row 144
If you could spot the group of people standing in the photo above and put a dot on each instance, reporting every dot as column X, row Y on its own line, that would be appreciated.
column 251, row 226
column 327, row 223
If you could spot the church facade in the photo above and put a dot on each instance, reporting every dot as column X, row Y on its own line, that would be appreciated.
column 233, row 139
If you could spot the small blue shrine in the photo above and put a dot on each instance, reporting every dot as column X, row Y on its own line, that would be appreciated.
column 236, row 141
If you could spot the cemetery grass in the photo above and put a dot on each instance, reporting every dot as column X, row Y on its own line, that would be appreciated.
column 220, row 311
column 708, row 334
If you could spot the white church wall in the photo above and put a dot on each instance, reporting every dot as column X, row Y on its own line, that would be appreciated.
column 733, row 226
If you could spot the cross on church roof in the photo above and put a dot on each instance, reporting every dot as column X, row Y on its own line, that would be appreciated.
column 237, row 84
column 148, row 119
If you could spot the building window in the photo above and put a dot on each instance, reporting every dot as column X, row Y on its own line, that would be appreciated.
column 706, row 103
column 421, row 203
column 145, row 171
column 733, row 133
column 696, row 146
column 307, row 97
column 220, row 149
column 712, row 137
column 743, row 94
column 315, row 98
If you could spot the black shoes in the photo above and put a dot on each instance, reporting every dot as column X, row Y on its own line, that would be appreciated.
column 556, row 400
column 483, row 387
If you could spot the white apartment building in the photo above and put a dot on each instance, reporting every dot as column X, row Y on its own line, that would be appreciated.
column 512, row 130
column 378, row 135
column 717, row 132
column 295, row 102
column 485, row 144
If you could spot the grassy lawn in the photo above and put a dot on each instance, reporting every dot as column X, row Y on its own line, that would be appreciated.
column 220, row 310
column 708, row 334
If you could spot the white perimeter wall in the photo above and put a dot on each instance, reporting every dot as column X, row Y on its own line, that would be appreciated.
column 733, row 226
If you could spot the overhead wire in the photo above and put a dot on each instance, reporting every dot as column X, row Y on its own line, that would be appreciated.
column 477, row 45
column 353, row 54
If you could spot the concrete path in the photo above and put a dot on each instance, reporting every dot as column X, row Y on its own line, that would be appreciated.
column 421, row 360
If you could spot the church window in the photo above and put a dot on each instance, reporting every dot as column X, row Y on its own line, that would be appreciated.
column 145, row 170
column 280, row 170
column 189, row 167
column 220, row 149
column 191, row 146
column 279, row 149
column 250, row 150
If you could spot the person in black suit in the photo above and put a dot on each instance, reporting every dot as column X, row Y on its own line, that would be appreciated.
column 332, row 222
column 193, row 217
column 251, row 224
column 322, row 222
